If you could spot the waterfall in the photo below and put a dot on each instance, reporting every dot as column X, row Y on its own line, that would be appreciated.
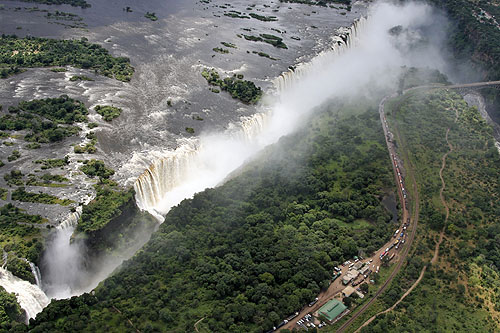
column 72, row 220
column 252, row 126
column 344, row 39
column 205, row 162
column 164, row 175
column 36, row 273
column 63, row 259
column 30, row 297
column 192, row 167
column 5, row 257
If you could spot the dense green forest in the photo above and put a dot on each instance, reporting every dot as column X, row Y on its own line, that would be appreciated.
column 106, row 206
column 460, row 293
column 249, row 253
column 474, row 37
column 19, row 235
column 10, row 311
column 16, row 53
column 112, row 223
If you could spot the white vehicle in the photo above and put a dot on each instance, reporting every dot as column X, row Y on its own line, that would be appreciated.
column 371, row 260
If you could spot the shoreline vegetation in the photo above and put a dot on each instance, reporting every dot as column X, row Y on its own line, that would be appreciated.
column 108, row 112
column 267, row 38
column 151, row 16
column 16, row 54
column 244, row 90
column 45, row 120
column 322, row 3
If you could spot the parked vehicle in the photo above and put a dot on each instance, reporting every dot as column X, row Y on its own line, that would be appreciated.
column 313, row 302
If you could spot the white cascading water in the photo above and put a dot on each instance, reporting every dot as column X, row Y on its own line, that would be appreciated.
column 201, row 163
column 63, row 258
column 187, row 168
column 30, row 297
column 341, row 42
column 5, row 257
column 363, row 56
column 72, row 220
column 36, row 274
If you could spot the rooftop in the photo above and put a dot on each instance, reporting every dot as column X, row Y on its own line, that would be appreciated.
column 348, row 291
column 332, row 309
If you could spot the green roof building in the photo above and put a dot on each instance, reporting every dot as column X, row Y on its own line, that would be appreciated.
column 332, row 309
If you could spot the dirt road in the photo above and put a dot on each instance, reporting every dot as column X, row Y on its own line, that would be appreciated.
column 441, row 234
column 406, row 214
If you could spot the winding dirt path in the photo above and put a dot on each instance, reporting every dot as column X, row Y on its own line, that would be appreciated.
column 441, row 234
column 128, row 320
column 196, row 324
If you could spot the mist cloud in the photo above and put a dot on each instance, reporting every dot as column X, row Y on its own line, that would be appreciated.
column 371, row 63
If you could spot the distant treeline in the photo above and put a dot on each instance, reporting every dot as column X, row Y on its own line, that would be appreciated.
column 322, row 3
column 476, row 36
column 74, row 3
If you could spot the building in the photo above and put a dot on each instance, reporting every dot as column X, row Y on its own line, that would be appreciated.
column 364, row 270
column 349, row 276
column 332, row 309
column 348, row 291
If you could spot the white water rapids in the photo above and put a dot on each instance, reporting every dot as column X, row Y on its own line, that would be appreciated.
column 30, row 297
column 205, row 162
column 361, row 57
